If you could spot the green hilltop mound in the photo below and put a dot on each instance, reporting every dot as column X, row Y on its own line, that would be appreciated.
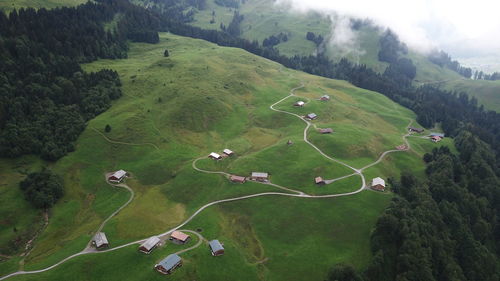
column 201, row 99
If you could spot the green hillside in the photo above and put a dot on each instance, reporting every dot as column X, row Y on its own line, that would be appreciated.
column 486, row 92
column 205, row 98
column 263, row 18
column 8, row 5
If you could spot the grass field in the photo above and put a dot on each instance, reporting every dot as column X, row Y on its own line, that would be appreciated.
column 8, row 5
column 206, row 98
column 486, row 92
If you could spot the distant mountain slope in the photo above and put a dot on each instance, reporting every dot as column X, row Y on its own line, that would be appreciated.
column 262, row 19
column 8, row 5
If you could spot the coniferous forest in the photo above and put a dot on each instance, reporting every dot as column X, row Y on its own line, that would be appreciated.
column 45, row 96
column 445, row 227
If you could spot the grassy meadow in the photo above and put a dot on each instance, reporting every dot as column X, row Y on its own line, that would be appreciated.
column 205, row 98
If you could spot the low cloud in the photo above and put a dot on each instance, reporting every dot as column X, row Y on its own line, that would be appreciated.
column 423, row 25
column 343, row 39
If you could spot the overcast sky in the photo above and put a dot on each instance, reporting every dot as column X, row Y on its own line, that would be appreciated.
column 448, row 24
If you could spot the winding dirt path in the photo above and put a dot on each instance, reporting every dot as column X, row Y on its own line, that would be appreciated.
column 124, row 143
column 295, row 193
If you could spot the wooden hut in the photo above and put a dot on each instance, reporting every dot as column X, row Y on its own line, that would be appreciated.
column 378, row 184
column 100, row 241
column 149, row 245
column 117, row 176
column 179, row 237
column 215, row 156
column 169, row 264
column 237, row 179
column 216, row 248
column 319, row 181
column 258, row 176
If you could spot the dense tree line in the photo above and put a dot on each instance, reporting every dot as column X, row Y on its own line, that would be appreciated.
column 274, row 40
column 45, row 97
column 316, row 39
column 391, row 47
column 442, row 59
column 234, row 28
column 443, row 228
column 480, row 75
column 42, row 189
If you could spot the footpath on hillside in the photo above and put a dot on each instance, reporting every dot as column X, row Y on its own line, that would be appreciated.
column 292, row 192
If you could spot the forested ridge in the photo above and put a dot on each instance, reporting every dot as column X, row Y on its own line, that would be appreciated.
column 45, row 96
column 445, row 227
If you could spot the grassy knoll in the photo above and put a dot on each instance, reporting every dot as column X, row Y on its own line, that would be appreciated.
column 8, row 5
column 205, row 98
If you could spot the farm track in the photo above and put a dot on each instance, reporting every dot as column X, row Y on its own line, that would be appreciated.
column 124, row 143
column 295, row 193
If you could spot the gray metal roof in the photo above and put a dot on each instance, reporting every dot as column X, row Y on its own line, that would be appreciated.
column 312, row 115
column 437, row 135
column 100, row 239
column 170, row 261
column 119, row 174
column 259, row 175
column 215, row 245
column 151, row 243
column 378, row 181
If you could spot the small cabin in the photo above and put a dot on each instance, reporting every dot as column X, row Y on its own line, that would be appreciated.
column 258, row 176
column 319, row 181
column 311, row 116
column 100, row 241
column 237, row 179
column 169, row 264
column 436, row 138
column 289, row 142
column 179, row 237
column 299, row 103
column 441, row 135
column 325, row 98
column 378, row 184
column 117, row 176
column 216, row 248
column 415, row 130
column 149, row 245
column 228, row 152
column 215, row 156
column 326, row 131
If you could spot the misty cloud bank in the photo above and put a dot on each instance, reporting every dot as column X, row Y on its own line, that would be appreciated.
column 459, row 27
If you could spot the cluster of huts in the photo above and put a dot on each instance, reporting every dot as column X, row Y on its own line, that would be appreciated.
column 225, row 153
column 435, row 137
column 171, row 262
column 376, row 184
column 254, row 176
column 174, row 261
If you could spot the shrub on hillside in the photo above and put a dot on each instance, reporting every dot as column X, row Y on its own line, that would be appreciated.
column 42, row 189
